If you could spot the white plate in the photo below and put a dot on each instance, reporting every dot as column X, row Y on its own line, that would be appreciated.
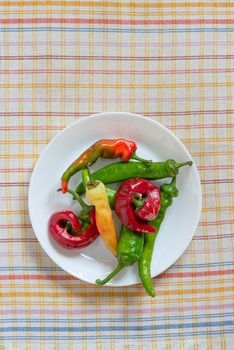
column 155, row 142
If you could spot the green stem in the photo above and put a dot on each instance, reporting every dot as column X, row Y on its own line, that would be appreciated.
column 67, row 226
column 69, row 229
column 179, row 165
column 142, row 160
column 75, row 195
column 92, row 183
column 136, row 199
column 173, row 182
column 118, row 268
column 85, row 176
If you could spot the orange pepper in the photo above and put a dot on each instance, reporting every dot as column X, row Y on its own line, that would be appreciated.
column 97, row 196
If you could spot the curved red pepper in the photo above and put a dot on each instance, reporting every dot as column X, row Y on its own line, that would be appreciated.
column 108, row 149
column 150, row 200
column 67, row 240
column 150, row 205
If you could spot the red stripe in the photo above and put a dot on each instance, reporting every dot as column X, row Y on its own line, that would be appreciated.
column 15, row 170
column 208, row 237
column 16, row 226
column 164, row 275
column 174, row 127
column 37, row 277
column 197, row 273
column 14, row 184
column 47, row 127
column 217, row 181
column 216, row 222
column 25, row 240
column 149, row 114
column 114, row 21
column 217, row 167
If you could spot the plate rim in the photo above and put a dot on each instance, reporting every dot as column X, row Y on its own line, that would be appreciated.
column 97, row 115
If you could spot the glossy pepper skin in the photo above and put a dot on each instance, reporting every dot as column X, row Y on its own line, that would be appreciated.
column 105, row 148
column 110, row 192
column 65, row 228
column 124, row 207
column 168, row 191
column 146, row 197
column 118, row 172
column 129, row 250
column 96, row 195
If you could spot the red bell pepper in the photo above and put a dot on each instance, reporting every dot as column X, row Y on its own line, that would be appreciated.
column 108, row 149
column 65, row 228
column 145, row 197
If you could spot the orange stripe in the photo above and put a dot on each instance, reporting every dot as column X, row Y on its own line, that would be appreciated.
column 103, row 4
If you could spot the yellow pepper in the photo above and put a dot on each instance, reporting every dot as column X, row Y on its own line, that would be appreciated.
column 96, row 195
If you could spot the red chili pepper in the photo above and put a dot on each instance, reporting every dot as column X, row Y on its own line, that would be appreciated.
column 147, row 207
column 65, row 228
column 146, row 199
column 108, row 149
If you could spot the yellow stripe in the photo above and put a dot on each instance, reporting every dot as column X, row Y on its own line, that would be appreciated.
column 117, row 86
column 163, row 283
column 118, row 5
column 18, row 156
column 24, row 142
column 75, row 302
column 192, row 292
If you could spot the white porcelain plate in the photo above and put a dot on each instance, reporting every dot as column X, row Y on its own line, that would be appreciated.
column 154, row 142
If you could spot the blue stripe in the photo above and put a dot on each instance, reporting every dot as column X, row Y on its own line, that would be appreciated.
column 118, row 319
column 116, row 337
column 118, row 30
column 175, row 266
column 119, row 328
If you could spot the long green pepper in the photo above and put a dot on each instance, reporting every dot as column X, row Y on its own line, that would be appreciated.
column 129, row 250
column 167, row 191
column 118, row 172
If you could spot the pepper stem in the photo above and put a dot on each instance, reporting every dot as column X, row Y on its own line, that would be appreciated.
column 142, row 160
column 118, row 268
column 75, row 195
column 91, row 179
column 92, row 182
column 136, row 199
column 179, row 165
column 69, row 229
column 173, row 181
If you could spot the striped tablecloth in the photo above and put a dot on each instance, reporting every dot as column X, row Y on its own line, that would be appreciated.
column 172, row 61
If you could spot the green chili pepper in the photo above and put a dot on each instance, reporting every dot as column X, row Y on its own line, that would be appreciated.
column 129, row 250
column 117, row 172
column 167, row 191
column 110, row 193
